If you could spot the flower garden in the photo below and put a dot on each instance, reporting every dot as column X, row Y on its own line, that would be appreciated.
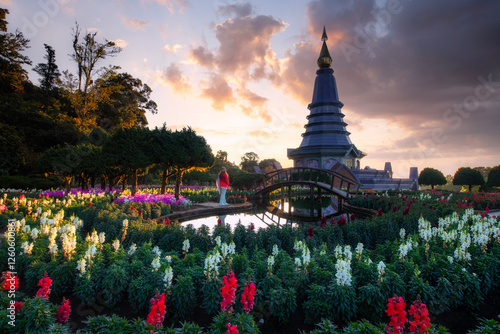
column 98, row 262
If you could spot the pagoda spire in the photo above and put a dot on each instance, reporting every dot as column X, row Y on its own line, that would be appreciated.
column 324, row 60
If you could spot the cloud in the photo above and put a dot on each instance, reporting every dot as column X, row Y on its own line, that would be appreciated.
column 135, row 24
column 120, row 43
column 238, row 9
column 244, row 42
column 171, row 4
column 6, row 2
column 202, row 56
column 174, row 78
column 218, row 91
column 172, row 48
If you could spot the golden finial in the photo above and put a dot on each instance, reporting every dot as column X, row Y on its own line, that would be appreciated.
column 324, row 59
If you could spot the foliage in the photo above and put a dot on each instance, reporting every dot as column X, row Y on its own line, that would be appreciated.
column 431, row 177
column 468, row 176
column 494, row 177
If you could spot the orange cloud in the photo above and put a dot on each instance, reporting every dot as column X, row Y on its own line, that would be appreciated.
column 170, row 4
column 218, row 90
column 135, row 24
column 173, row 76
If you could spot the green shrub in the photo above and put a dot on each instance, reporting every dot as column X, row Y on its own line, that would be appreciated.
column 36, row 316
column 183, row 299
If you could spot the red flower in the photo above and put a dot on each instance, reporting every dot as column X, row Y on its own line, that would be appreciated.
column 406, row 211
column 421, row 322
column 228, row 292
column 396, row 310
column 139, row 212
column 395, row 208
column 167, row 222
column 18, row 306
column 132, row 208
column 9, row 281
column 323, row 221
column 157, row 313
column 90, row 204
column 219, row 221
column 352, row 216
column 379, row 212
column 341, row 221
column 64, row 311
column 487, row 210
column 310, row 231
column 45, row 283
column 231, row 329
column 247, row 298
column 252, row 226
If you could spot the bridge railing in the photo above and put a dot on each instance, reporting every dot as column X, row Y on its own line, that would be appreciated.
column 301, row 174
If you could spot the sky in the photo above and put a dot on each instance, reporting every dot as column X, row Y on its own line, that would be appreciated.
column 420, row 80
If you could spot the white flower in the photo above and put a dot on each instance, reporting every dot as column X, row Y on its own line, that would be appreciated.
column 132, row 249
column 116, row 244
column 156, row 263
column 157, row 251
column 359, row 250
column 167, row 278
column 28, row 247
column 212, row 265
column 91, row 251
column 297, row 262
column 275, row 250
column 185, row 246
column 402, row 233
column 343, row 274
column 102, row 237
column 34, row 233
column 81, row 266
column 125, row 223
column 218, row 241
column 169, row 259
column 270, row 262
column 27, row 229
column 53, row 248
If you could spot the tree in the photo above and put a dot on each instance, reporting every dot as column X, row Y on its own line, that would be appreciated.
column 126, row 101
column 130, row 151
column 494, row 177
column 267, row 165
column 60, row 161
column 468, row 176
column 222, row 156
column 194, row 154
column 87, row 53
column 12, row 74
column 431, row 177
column 248, row 161
column 165, row 154
column 48, row 71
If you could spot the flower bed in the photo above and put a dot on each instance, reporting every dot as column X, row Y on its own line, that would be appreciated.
column 107, row 253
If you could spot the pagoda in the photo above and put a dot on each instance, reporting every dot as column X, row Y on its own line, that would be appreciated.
column 325, row 140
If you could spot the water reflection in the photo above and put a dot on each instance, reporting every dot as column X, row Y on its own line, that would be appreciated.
column 273, row 213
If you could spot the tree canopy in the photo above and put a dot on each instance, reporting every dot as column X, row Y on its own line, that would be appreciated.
column 494, row 177
column 431, row 177
column 466, row 176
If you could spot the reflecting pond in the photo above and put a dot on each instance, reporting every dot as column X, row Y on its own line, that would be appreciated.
column 277, row 213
